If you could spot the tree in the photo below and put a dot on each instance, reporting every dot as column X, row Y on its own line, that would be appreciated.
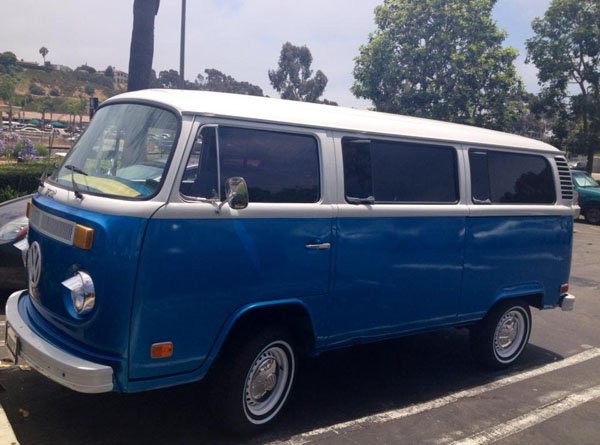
column 8, row 63
column 7, row 93
column 89, row 90
column 566, row 50
column 215, row 80
column 141, row 52
column 109, row 72
column 169, row 79
column 44, row 52
column 440, row 59
column 292, row 80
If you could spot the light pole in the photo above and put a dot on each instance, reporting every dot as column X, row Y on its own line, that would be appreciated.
column 182, row 47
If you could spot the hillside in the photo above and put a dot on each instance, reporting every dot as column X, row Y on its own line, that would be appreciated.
column 49, row 88
column 68, row 84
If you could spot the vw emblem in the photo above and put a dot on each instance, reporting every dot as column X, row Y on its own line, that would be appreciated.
column 34, row 265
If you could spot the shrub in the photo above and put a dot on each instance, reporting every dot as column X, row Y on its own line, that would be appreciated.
column 24, row 150
column 21, row 178
column 7, row 193
column 8, row 142
column 36, row 90
column 41, row 150
column 54, row 92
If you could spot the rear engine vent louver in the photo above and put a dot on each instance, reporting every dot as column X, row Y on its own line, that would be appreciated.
column 564, row 173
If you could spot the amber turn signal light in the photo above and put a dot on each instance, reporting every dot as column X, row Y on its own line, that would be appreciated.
column 161, row 350
column 83, row 237
column 28, row 209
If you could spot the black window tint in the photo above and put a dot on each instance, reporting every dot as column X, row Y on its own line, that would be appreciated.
column 200, row 178
column 278, row 167
column 512, row 178
column 357, row 168
column 480, row 184
column 400, row 172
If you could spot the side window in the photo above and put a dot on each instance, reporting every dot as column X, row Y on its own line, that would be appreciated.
column 200, row 178
column 510, row 178
column 278, row 167
column 399, row 172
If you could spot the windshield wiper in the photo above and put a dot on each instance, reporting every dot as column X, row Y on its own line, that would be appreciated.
column 74, row 170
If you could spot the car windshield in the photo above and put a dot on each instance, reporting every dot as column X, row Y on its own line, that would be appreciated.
column 583, row 180
column 123, row 153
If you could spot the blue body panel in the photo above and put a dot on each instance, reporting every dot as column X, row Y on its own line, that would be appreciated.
column 512, row 256
column 189, row 280
column 391, row 275
column 195, row 273
column 112, row 263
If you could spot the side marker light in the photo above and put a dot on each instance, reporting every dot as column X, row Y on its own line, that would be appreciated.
column 161, row 350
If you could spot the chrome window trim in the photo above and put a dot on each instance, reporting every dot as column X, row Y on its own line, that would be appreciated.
column 322, row 138
column 547, row 159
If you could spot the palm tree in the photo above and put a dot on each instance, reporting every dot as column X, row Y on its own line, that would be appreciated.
column 44, row 52
column 142, row 44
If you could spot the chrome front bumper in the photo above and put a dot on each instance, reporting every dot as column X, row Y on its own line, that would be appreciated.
column 62, row 367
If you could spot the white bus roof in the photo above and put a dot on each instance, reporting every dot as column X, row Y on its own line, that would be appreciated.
column 271, row 110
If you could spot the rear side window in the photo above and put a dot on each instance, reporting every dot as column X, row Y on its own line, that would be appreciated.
column 278, row 167
column 510, row 178
column 381, row 171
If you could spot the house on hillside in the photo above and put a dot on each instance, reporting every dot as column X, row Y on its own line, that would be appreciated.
column 120, row 76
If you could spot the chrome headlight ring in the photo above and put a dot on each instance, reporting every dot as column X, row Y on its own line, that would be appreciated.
column 83, row 294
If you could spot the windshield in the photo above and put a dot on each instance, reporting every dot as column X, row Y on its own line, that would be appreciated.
column 123, row 153
column 583, row 180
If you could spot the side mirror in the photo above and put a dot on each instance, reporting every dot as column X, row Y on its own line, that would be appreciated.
column 236, row 193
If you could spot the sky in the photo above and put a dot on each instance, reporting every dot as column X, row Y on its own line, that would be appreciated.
column 241, row 38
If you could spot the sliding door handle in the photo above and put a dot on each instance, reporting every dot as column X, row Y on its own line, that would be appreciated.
column 321, row 246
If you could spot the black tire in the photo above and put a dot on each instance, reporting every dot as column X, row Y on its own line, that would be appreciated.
column 592, row 215
column 252, row 381
column 498, row 340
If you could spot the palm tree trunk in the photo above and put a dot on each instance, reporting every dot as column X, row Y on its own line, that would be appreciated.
column 141, row 52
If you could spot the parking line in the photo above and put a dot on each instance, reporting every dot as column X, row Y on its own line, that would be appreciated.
column 532, row 418
column 7, row 435
column 391, row 415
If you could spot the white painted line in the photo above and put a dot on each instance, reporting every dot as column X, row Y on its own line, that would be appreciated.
column 7, row 435
column 391, row 415
column 532, row 418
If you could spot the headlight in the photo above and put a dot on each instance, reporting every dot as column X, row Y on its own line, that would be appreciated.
column 83, row 295
column 14, row 229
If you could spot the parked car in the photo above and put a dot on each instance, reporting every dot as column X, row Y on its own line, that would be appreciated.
column 31, row 130
column 13, row 228
column 589, row 196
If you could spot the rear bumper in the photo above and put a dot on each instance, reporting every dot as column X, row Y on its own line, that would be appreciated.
column 62, row 367
column 567, row 302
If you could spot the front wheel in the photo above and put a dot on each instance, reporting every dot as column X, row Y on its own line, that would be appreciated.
column 253, row 381
column 499, row 338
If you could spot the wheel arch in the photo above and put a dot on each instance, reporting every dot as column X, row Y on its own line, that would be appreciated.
column 289, row 314
column 532, row 294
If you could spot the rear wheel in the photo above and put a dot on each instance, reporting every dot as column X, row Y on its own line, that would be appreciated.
column 499, row 339
column 253, row 380
column 592, row 215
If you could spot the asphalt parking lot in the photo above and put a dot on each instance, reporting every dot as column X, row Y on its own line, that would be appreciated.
column 423, row 389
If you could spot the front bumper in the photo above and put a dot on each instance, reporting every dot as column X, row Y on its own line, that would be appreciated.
column 62, row 367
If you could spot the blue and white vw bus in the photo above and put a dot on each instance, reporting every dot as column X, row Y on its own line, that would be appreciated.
column 194, row 234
